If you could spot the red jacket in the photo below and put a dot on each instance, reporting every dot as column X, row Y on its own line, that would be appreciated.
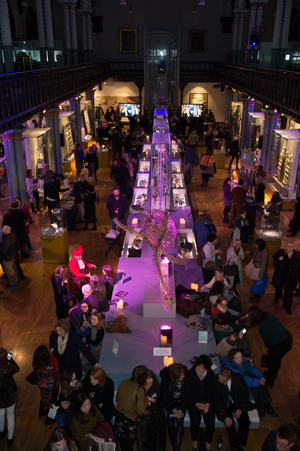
column 74, row 267
column 26, row 210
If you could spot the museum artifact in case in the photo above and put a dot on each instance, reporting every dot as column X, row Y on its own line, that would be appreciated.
column 142, row 180
column 37, row 144
column 160, row 172
column 54, row 235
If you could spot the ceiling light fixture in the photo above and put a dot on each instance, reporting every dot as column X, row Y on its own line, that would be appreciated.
column 123, row 2
column 202, row 3
column 130, row 9
column 194, row 9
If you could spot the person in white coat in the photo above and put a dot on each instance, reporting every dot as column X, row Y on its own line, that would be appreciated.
column 235, row 255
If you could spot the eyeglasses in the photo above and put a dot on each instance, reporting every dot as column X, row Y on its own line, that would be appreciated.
column 281, row 444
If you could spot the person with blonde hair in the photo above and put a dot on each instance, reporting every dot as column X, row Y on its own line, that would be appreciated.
column 100, row 389
column 235, row 255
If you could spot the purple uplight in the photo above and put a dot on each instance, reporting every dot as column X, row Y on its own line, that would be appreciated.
column 165, row 327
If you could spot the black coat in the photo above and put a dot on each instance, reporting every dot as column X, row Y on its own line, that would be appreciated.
column 112, row 204
column 200, row 391
column 9, row 247
column 287, row 271
column 239, row 394
column 71, row 354
column 90, row 209
column 123, row 176
column 101, row 395
column 80, row 191
column 167, row 400
column 270, row 443
column 14, row 218
column 59, row 290
column 8, row 388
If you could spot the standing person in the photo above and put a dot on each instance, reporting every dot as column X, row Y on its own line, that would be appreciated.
column 286, row 274
column 45, row 366
column 174, row 389
column 283, row 439
column 238, row 196
column 116, row 206
column 90, row 208
column 80, row 191
column 274, row 211
column 65, row 345
column 59, row 284
column 46, row 175
column 113, row 170
column 123, row 179
column 14, row 218
column 235, row 255
column 100, row 389
column 60, row 441
column 8, row 255
column 260, row 260
column 203, row 226
column 52, row 199
column 23, row 207
column 76, row 266
column 96, row 162
column 207, row 168
column 259, row 191
column 295, row 221
column 190, row 158
column 232, row 401
column 193, row 139
column 129, row 165
column 131, row 403
column 89, row 160
column 226, row 199
column 8, row 396
column 97, row 295
column 95, row 338
column 33, row 193
column 79, row 157
column 201, row 399
column 234, row 152
column 108, row 279
column 211, row 252
column 277, row 339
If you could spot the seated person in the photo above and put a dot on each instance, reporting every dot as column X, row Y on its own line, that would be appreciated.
column 254, row 379
column 225, row 320
column 218, row 290
column 281, row 440
column 228, row 291
column 235, row 340
column 80, row 317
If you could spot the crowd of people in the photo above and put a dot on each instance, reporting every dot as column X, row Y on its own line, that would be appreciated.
column 75, row 391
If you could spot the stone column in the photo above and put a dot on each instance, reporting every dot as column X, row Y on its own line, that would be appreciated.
column 6, row 37
column 90, row 95
column 67, row 27
column 271, row 123
column 12, row 140
column 41, row 31
column 84, row 37
column 277, row 33
column 239, row 51
column 235, row 36
column 74, row 32
column 49, row 32
column 233, row 98
column 52, row 121
column 75, row 106
column 285, row 32
column 248, row 106
column 90, row 35
column 251, row 26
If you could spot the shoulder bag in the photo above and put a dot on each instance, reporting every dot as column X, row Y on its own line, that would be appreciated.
column 251, row 271
column 203, row 167
column 231, row 270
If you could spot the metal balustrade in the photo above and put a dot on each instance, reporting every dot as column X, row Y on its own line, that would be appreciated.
column 24, row 94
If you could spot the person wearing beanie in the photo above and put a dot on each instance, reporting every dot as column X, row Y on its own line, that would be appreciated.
column 14, row 218
column 77, row 266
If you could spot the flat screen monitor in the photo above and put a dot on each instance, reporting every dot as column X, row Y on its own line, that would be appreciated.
column 129, row 109
column 192, row 110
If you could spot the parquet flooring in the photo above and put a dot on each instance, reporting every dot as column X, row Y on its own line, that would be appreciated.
column 27, row 315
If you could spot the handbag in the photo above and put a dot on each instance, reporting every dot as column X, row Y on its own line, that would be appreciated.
column 231, row 270
column 32, row 378
column 251, row 271
column 200, row 256
column 104, row 432
column 68, row 298
column 260, row 286
column 203, row 167
column 143, row 429
column 118, row 325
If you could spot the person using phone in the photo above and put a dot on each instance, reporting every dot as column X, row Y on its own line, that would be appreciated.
column 8, row 395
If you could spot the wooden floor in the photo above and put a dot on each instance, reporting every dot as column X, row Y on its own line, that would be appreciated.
column 27, row 316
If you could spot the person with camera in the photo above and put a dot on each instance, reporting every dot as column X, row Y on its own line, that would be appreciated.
column 8, row 395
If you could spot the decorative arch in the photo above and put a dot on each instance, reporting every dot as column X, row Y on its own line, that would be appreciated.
column 31, row 24
column 294, row 26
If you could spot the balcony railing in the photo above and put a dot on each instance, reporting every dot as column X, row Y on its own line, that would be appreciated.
column 23, row 94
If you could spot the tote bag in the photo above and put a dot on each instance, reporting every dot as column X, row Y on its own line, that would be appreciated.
column 251, row 271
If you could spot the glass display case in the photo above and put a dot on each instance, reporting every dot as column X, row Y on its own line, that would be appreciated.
column 180, row 198
column 161, row 126
column 160, row 172
column 160, row 114
column 65, row 131
column 186, row 243
column 178, row 181
column 146, row 151
column 140, row 196
column 132, row 245
column 255, row 130
column 142, row 180
column 284, row 163
column 37, row 144
column 270, row 227
column 236, row 117
column 54, row 235
column 86, row 117
column 176, row 167
column 144, row 166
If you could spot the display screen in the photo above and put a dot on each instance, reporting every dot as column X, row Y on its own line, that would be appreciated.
column 192, row 110
column 129, row 109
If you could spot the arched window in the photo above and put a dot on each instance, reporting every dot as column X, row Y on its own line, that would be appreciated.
column 294, row 26
column 31, row 25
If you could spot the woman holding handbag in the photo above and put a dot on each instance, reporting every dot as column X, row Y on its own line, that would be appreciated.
column 207, row 167
column 235, row 255
column 258, row 266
